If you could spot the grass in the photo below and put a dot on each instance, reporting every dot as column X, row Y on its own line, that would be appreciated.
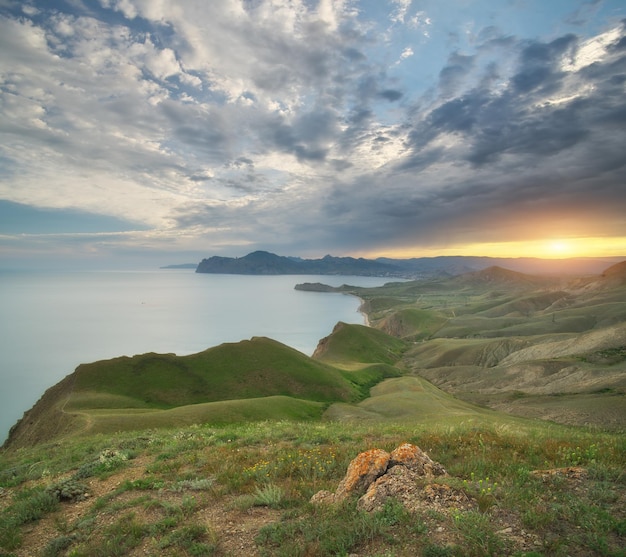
column 225, row 372
column 222, row 412
column 279, row 465
column 357, row 343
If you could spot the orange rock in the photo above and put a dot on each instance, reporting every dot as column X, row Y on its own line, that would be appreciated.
column 416, row 460
column 365, row 469
column 398, row 482
column 380, row 476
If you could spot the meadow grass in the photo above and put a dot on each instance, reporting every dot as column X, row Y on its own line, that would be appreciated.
column 229, row 371
column 281, row 464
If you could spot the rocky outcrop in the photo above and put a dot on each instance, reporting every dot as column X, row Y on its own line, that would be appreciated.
column 406, row 475
column 364, row 470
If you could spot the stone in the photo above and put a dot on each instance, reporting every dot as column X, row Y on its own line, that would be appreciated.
column 399, row 483
column 413, row 458
column 442, row 497
column 377, row 476
column 366, row 468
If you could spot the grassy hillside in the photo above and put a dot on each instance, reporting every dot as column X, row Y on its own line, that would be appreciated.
column 247, row 369
column 410, row 400
column 243, row 489
column 509, row 340
column 219, row 453
column 357, row 343
column 154, row 390
column 494, row 337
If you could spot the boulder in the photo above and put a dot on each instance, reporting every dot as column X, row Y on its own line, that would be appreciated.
column 362, row 471
column 323, row 497
column 377, row 475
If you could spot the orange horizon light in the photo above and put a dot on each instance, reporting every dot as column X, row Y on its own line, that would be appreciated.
column 552, row 248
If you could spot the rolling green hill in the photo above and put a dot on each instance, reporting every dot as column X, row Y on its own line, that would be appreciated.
column 152, row 390
column 357, row 343
column 246, row 369
column 515, row 342
column 494, row 337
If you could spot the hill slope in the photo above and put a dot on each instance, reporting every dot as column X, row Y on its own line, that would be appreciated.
column 116, row 390
column 195, row 480
column 246, row 369
column 515, row 341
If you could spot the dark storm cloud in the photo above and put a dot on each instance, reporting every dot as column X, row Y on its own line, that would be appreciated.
column 550, row 140
column 538, row 64
column 519, row 120
column 391, row 95
column 452, row 75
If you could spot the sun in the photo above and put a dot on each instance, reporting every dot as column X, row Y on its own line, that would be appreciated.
column 559, row 247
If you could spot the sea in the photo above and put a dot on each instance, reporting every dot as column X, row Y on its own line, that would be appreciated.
column 50, row 322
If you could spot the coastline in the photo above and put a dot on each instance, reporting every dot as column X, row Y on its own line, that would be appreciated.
column 136, row 309
column 362, row 311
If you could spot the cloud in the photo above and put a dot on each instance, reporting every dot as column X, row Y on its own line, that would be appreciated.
column 452, row 75
column 18, row 219
column 584, row 12
column 401, row 11
column 288, row 124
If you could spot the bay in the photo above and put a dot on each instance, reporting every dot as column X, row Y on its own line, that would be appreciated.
column 53, row 321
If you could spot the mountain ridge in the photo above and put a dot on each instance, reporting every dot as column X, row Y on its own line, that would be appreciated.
column 267, row 263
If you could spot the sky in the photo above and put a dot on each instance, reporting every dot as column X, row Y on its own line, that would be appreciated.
column 169, row 131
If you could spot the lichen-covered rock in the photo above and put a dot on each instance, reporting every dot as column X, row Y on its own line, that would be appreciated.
column 442, row 497
column 403, row 485
column 362, row 471
column 377, row 476
column 399, row 482
column 413, row 458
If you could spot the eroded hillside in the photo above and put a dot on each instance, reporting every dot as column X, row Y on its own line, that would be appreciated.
column 520, row 343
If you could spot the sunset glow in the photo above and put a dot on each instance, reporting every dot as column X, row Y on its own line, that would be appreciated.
column 543, row 249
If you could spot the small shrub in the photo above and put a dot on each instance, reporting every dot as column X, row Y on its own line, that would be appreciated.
column 144, row 484
column 108, row 461
column 56, row 546
column 484, row 490
column 269, row 496
column 120, row 537
column 69, row 490
column 393, row 513
column 432, row 550
column 31, row 505
column 577, row 456
column 306, row 464
column 480, row 539
column 198, row 484
column 326, row 532
column 193, row 539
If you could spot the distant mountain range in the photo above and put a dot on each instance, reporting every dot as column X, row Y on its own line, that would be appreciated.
column 266, row 263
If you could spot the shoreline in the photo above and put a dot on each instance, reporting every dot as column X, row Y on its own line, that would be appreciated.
column 365, row 315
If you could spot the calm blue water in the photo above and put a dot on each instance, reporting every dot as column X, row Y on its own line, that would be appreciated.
column 52, row 322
